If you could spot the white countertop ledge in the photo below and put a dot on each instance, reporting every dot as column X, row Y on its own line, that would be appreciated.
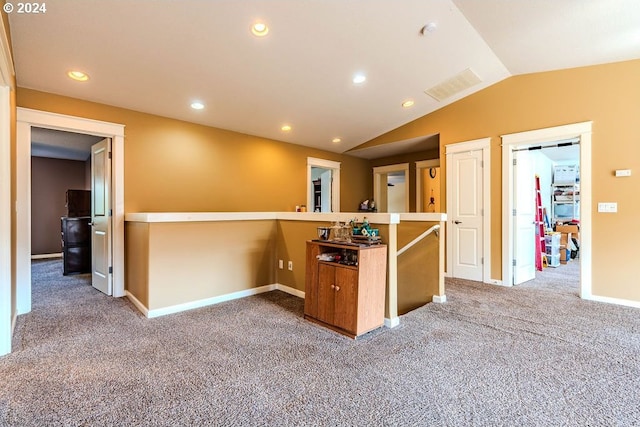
column 374, row 218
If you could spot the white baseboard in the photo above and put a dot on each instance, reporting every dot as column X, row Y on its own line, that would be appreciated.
column 439, row 299
column 617, row 301
column 288, row 289
column 211, row 301
column 46, row 256
column 495, row 282
column 391, row 323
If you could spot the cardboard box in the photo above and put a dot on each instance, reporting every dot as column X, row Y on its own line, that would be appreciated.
column 565, row 254
column 571, row 230
column 567, row 229
column 564, row 239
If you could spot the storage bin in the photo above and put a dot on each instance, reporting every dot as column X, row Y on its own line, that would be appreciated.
column 552, row 239
column 553, row 260
column 565, row 174
column 552, row 250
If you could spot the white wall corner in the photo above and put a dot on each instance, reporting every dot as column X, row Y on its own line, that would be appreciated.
column 137, row 303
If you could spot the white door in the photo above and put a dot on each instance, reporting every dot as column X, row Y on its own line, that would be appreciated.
column 466, row 215
column 524, row 210
column 100, row 216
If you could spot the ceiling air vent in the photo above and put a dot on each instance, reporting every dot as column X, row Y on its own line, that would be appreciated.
column 455, row 84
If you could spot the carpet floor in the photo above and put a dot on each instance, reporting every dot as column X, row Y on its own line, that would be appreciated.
column 490, row 356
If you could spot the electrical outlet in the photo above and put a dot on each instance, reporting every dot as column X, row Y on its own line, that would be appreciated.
column 280, row 264
column 290, row 266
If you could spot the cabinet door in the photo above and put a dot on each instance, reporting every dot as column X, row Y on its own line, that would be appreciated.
column 326, row 291
column 346, row 298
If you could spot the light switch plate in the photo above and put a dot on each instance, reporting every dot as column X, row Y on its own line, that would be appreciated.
column 623, row 172
column 608, row 207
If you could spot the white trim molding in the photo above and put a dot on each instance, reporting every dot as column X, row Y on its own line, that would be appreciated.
column 158, row 312
column 392, row 322
column 439, row 299
column 335, row 184
column 26, row 119
column 544, row 136
column 47, row 256
column 7, row 73
column 6, row 309
column 483, row 144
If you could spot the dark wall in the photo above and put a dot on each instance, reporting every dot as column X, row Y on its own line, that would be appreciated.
column 50, row 179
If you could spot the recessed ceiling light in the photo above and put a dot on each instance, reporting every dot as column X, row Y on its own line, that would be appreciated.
column 78, row 76
column 259, row 29
column 408, row 103
column 359, row 78
column 197, row 105
column 336, row 140
column 286, row 128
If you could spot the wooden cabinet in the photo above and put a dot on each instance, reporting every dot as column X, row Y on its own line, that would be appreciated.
column 348, row 298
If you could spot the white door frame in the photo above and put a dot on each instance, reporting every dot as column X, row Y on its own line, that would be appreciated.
column 423, row 164
column 27, row 119
column 7, row 318
column 483, row 144
column 377, row 184
column 335, row 183
column 540, row 137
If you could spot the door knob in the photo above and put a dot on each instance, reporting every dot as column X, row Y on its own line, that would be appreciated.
column 457, row 222
column 337, row 288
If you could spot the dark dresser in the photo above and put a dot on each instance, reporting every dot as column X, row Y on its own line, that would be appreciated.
column 76, row 245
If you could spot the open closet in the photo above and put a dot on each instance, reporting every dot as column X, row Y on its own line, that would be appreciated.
column 556, row 185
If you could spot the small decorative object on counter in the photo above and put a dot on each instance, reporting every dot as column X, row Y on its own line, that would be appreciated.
column 323, row 233
column 364, row 233
column 303, row 208
column 368, row 206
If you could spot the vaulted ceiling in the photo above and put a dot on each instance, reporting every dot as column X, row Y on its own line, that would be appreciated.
column 160, row 56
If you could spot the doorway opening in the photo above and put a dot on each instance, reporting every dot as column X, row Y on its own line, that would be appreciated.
column 428, row 186
column 390, row 189
column 61, row 184
column 323, row 185
column 578, row 135
column 28, row 119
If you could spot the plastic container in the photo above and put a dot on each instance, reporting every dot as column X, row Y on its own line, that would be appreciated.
column 553, row 260
column 552, row 239
column 552, row 250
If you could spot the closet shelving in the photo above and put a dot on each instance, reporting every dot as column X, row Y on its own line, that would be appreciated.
column 565, row 204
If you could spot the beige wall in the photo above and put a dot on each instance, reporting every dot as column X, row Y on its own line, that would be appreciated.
column 194, row 261
column 171, row 165
column 608, row 95
column 418, row 268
